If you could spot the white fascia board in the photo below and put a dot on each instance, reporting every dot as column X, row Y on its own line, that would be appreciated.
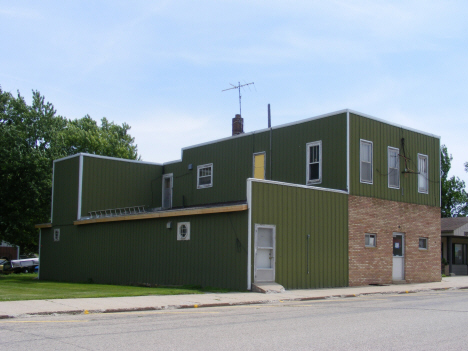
column 67, row 157
column 297, row 185
column 392, row 124
column 172, row 162
column 108, row 158
column 264, row 130
column 347, row 111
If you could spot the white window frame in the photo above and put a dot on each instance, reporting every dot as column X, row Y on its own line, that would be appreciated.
column 392, row 169
column 369, row 235
column 202, row 186
column 308, row 146
column 180, row 226
column 426, row 241
column 426, row 175
column 371, row 181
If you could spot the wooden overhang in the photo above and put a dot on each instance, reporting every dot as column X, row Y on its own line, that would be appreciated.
column 165, row 214
column 43, row 225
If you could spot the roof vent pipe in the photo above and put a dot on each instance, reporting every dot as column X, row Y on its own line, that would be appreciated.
column 237, row 125
column 269, row 117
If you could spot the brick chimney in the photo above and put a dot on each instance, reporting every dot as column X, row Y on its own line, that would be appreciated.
column 237, row 125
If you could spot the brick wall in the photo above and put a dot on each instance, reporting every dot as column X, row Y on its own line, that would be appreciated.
column 382, row 217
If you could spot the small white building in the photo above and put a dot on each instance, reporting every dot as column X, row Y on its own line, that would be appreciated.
column 454, row 235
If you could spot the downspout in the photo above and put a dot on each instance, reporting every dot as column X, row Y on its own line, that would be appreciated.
column 52, row 204
column 249, row 235
column 80, row 187
column 269, row 126
column 347, row 152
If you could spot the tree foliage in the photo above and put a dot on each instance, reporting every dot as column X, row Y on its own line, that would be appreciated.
column 31, row 137
column 454, row 196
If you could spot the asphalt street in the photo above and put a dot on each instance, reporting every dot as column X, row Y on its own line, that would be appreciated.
column 430, row 320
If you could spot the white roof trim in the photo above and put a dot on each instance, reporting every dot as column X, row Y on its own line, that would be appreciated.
column 108, row 158
column 264, row 130
column 297, row 185
column 393, row 124
column 347, row 110
column 171, row 162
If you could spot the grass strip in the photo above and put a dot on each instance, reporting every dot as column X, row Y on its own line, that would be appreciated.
column 26, row 286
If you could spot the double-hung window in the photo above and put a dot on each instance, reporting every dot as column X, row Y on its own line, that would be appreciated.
column 366, row 161
column 314, row 162
column 205, row 176
column 393, row 168
column 423, row 183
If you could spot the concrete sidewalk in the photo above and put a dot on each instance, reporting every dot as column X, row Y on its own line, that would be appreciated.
column 11, row 309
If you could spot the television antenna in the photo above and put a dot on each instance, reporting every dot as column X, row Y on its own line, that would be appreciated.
column 238, row 86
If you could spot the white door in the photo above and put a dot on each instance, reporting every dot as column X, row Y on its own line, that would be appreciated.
column 398, row 256
column 167, row 191
column 264, row 260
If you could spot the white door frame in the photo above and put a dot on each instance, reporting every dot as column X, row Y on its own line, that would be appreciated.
column 165, row 176
column 270, row 251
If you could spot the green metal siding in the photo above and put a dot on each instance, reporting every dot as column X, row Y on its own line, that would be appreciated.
column 145, row 251
column 297, row 212
column 233, row 161
column 383, row 135
column 232, row 165
column 109, row 184
column 65, row 191
column 289, row 151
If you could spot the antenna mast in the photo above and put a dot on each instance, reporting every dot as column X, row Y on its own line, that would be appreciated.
column 238, row 86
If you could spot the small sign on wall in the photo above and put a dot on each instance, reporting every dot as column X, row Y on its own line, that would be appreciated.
column 57, row 234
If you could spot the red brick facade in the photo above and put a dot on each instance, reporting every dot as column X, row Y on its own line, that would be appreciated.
column 382, row 217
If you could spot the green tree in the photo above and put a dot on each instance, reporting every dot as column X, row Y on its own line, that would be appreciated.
column 31, row 137
column 454, row 196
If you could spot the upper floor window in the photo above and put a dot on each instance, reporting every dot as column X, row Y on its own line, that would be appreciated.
column 366, row 162
column 423, row 183
column 205, row 176
column 314, row 162
column 393, row 168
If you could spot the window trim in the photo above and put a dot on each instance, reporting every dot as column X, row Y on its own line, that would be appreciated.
column 427, row 174
column 179, row 226
column 388, row 166
column 264, row 163
column 198, row 176
column 363, row 141
column 308, row 146
column 427, row 243
column 370, row 235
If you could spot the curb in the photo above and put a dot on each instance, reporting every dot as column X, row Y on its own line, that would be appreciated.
column 224, row 304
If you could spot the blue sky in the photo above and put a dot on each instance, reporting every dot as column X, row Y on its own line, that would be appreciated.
column 161, row 66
